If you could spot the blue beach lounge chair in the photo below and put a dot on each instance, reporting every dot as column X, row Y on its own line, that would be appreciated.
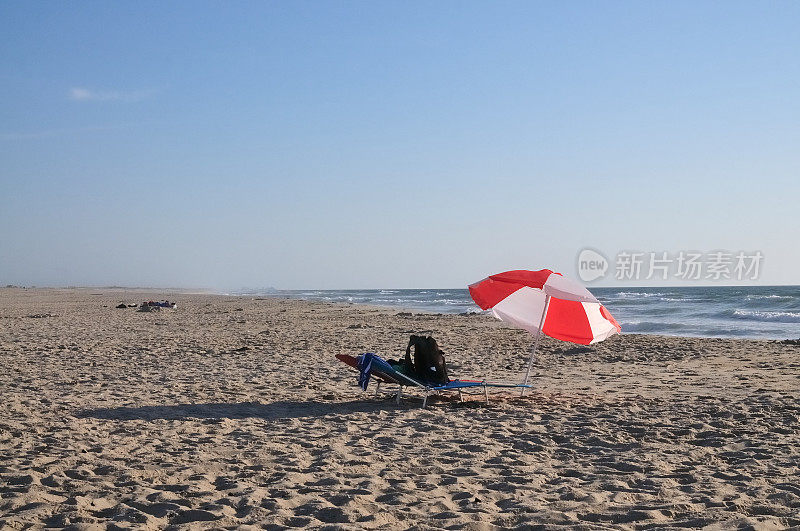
column 370, row 364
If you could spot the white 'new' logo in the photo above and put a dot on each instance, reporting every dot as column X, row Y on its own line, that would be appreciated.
column 591, row 265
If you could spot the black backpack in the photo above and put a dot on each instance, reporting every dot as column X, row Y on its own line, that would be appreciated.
column 428, row 365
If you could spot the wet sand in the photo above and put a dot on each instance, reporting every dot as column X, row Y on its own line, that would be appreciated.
column 233, row 411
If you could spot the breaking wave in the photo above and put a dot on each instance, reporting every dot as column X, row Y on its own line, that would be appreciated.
column 777, row 317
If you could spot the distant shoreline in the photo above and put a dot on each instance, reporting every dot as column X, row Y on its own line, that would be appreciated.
column 760, row 314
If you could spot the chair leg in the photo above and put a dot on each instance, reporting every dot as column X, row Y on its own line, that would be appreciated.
column 486, row 393
column 378, row 388
column 460, row 396
column 425, row 400
column 399, row 393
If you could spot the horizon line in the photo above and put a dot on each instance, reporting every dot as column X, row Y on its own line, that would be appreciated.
column 268, row 288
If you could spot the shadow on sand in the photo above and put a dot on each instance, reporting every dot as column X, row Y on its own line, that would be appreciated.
column 272, row 411
column 574, row 351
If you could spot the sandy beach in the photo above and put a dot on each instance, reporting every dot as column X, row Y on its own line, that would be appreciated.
column 233, row 412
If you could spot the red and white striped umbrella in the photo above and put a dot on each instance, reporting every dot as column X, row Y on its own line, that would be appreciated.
column 544, row 302
column 547, row 302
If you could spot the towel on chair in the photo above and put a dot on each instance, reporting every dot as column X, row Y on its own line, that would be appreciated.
column 365, row 369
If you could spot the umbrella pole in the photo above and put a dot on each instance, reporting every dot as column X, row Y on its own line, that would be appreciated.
column 535, row 343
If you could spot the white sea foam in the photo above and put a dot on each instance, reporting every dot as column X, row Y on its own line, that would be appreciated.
column 778, row 317
column 637, row 294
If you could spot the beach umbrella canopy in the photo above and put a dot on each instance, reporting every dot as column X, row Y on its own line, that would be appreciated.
column 544, row 302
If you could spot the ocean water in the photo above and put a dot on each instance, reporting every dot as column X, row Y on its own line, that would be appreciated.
column 759, row 312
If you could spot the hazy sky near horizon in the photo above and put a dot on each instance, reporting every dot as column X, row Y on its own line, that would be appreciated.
column 391, row 144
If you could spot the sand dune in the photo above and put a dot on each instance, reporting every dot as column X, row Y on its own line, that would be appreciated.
column 233, row 411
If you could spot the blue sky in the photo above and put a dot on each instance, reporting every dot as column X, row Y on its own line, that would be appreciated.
column 390, row 144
